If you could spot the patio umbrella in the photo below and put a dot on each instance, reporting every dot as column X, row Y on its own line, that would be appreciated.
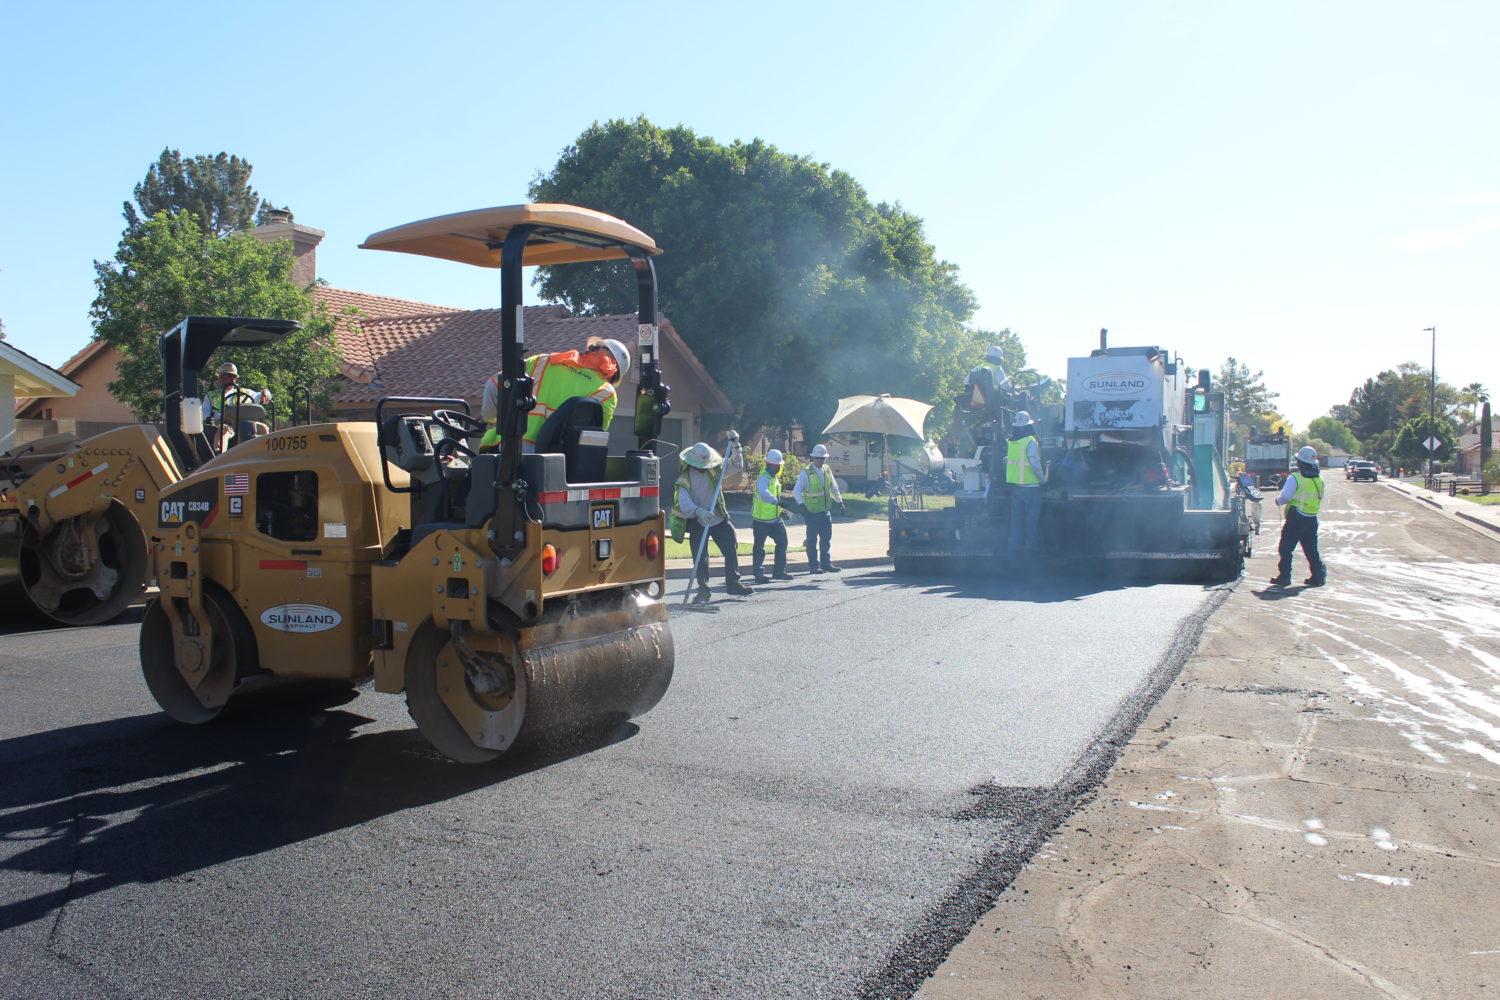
column 884, row 415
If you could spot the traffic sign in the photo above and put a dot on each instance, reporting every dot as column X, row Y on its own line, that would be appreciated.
column 1433, row 444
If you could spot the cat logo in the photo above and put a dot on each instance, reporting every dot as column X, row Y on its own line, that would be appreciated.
column 171, row 511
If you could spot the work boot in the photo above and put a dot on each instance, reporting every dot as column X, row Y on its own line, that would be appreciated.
column 831, row 568
column 1316, row 581
column 736, row 589
column 1283, row 580
column 704, row 595
column 762, row 579
column 815, row 569
column 781, row 575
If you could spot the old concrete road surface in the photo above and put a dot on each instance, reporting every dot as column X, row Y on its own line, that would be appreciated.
column 845, row 773
column 1313, row 810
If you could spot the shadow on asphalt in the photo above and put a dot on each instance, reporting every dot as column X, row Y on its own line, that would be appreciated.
column 145, row 799
column 19, row 622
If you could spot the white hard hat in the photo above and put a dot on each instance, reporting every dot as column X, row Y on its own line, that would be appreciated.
column 622, row 356
column 228, row 368
column 701, row 456
column 994, row 354
column 819, row 452
column 1307, row 453
column 773, row 457
column 1023, row 419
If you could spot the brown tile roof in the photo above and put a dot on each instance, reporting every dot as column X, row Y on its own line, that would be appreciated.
column 356, row 347
column 451, row 354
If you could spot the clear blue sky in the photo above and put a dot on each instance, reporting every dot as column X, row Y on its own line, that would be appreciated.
column 1302, row 185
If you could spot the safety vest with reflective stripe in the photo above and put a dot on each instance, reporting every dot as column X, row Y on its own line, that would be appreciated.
column 759, row 509
column 1018, row 470
column 1308, row 494
column 554, row 385
column 817, row 498
column 683, row 486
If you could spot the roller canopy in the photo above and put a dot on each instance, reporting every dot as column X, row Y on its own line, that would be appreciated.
column 565, row 234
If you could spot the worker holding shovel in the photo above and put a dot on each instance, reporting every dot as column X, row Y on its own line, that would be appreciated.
column 699, row 500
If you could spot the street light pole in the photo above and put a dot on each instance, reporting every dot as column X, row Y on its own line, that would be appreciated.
column 1431, row 401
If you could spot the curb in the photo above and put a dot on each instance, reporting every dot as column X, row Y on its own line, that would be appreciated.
column 1478, row 520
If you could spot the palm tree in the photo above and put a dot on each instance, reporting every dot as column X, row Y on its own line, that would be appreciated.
column 1472, row 396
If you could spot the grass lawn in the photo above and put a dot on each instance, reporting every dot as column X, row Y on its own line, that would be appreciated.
column 1491, row 499
column 879, row 509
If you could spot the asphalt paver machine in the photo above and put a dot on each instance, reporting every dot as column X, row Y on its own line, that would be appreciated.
column 514, row 597
column 1135, row 480
column 72, row 544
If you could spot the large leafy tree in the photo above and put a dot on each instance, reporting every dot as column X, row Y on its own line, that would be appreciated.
column 215, row 189
column 1334, row 432
column 1410, row 442
column 166, row 268
column 788, row 283
column 1392, row 398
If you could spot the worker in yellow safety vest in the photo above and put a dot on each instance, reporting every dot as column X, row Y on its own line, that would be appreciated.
column 1302, row 496
column 817, row 490
column 765, row 519
column 698, row 501
column 557, row 378
column 1023, row 471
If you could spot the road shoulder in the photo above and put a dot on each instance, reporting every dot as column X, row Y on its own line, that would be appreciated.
column 1267, row 832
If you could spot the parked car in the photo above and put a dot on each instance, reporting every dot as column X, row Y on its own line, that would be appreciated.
column 1362, row 470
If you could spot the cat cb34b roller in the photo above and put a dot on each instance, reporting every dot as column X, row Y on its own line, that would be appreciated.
column 515, row 598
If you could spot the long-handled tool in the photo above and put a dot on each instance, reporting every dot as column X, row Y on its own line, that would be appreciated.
column 734, row 442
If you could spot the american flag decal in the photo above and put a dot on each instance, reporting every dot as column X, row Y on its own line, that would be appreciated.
column 236, row 484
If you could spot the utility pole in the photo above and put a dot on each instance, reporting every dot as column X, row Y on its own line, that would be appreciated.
column 1431, row 402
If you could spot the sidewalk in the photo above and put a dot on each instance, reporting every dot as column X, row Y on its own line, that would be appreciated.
column 1312, row 809
column 856, row 542
column 1484, row 515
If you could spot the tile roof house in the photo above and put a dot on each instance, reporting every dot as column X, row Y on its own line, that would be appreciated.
column 400, row 347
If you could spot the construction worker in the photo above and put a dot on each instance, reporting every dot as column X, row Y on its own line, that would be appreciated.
column 699, row 501
column 557, row 378
column 1023, row 471
column 817, row 490
column 765, row 517
column 230, row 396
column 992, row 366
column 1301, row 495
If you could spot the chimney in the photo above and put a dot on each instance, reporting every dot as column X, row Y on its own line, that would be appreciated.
column 279, row 226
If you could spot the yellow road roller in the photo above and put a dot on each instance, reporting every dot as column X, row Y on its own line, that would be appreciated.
column 516, row 597
column 72, row 544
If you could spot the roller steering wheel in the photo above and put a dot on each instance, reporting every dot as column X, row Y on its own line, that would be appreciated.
column 459, row 423
column 448, row 452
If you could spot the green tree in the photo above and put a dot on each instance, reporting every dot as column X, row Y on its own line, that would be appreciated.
column 1486, row 435
column 1392, row 398
column 1335, row 433
column 1410, row 446
column 216, row 189
column 1470, row 398
column 166, row 268
column 787, row 282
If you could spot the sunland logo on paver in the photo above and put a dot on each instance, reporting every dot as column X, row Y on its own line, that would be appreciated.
column 300, row 618
column 1116, row 384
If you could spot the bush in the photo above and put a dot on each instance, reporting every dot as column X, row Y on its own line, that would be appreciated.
column 1491, row 472
column 791, row 465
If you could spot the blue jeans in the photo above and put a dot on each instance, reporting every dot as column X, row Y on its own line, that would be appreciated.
column 819, row 534
column 776, row 532
column 1025, row 515
column 1299, row 529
